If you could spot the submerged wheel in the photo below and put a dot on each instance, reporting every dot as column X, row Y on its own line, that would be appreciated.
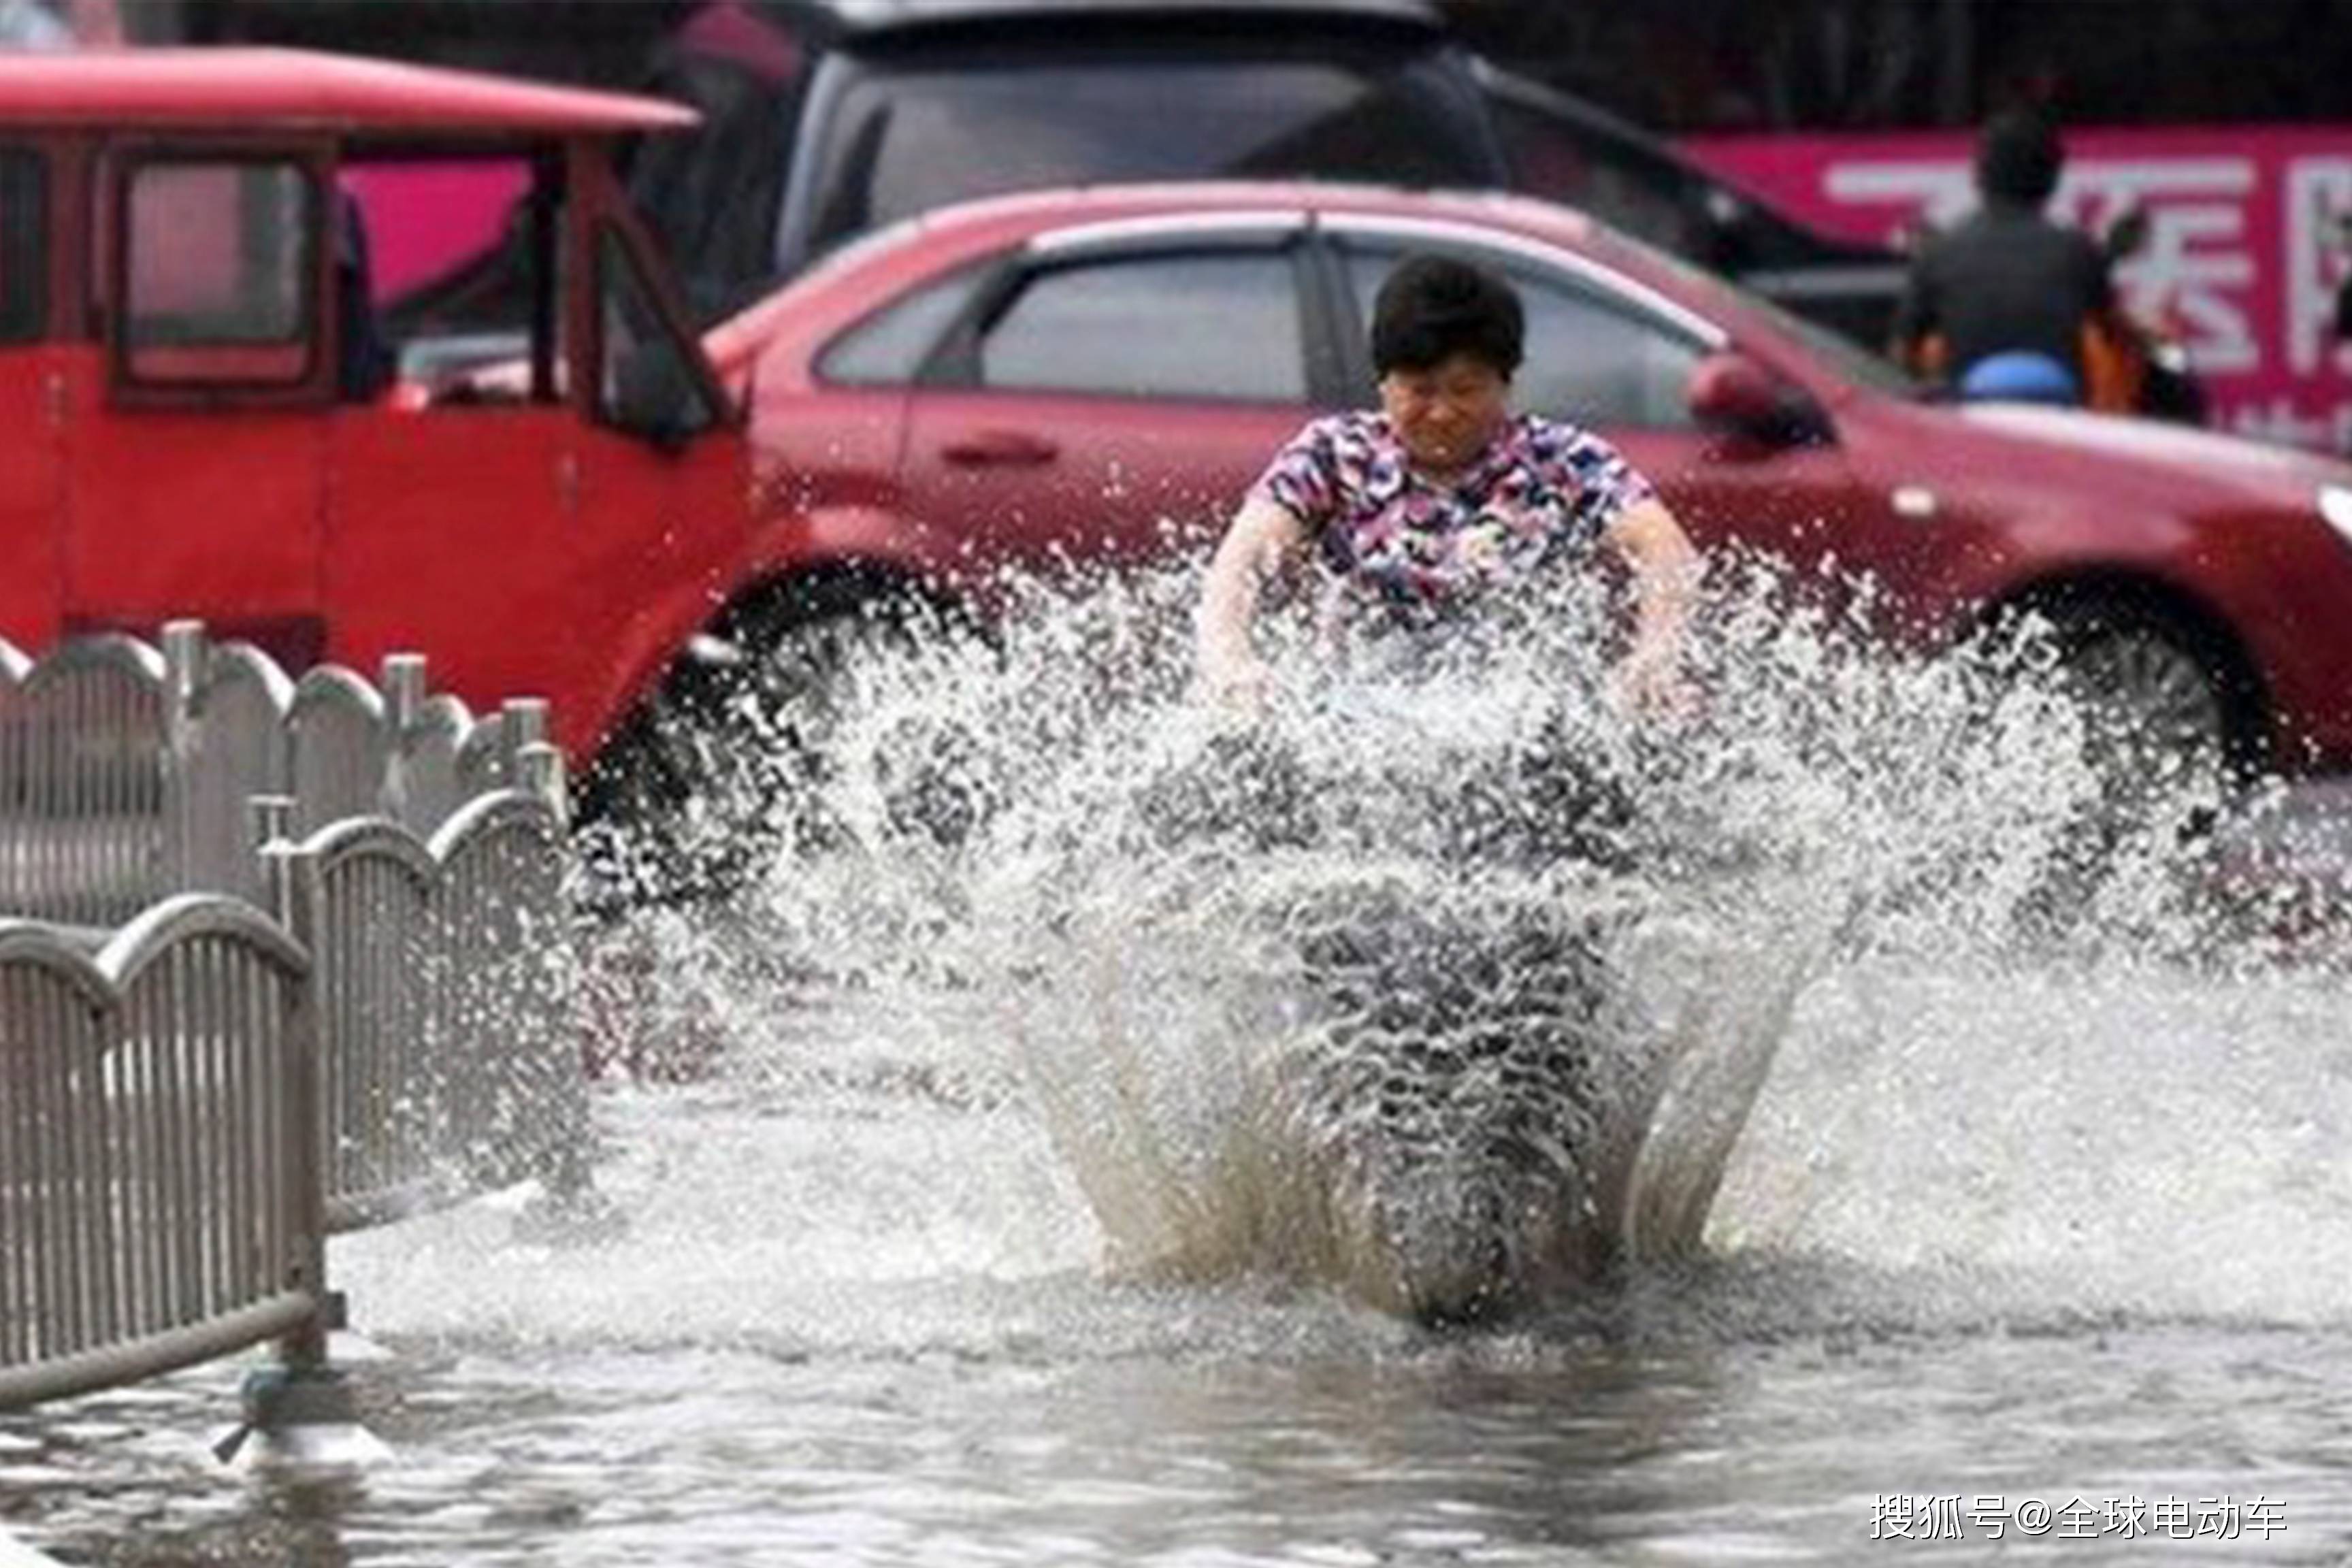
column 2158, row 705
column 728, row 762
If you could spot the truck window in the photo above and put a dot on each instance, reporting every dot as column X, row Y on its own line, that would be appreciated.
column 220, row 255
column 24, row 245
column 646, row 383
column 462, row 279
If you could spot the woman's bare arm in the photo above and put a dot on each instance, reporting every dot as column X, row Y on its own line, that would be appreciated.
column 1262, row 540
column 1665, row 568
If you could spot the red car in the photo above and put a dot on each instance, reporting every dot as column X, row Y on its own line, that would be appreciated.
column 1062, row 373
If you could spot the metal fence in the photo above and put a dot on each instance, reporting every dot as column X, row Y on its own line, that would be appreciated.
column 189, row 1105
column 445, row 980
column 125, row 769
column 158, row 1195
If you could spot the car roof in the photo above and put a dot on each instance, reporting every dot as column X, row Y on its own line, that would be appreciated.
column 984, row 223
column 245, row 89
column 1073, row 206
column 895, row 17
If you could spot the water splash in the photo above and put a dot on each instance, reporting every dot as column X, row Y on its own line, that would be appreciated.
column 1446, row 980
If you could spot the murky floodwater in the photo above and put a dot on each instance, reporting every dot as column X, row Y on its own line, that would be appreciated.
column 971, row 1236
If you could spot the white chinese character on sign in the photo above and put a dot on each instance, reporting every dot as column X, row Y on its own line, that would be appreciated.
column 2172, row 1516
column 2127, row 1518
column 1892, row 1518
column 2196, row 262
column 2265, row 1516
column 1940, row 190
column 1989, row 1514
column 2317, row 203
column 2280, row 421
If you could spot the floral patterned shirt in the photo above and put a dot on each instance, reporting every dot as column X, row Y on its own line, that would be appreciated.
column 1542, row 490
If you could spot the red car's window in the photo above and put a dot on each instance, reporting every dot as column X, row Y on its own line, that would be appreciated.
column 24, row 245
column 1219, row 325
column 217, row 271
column 888, row 347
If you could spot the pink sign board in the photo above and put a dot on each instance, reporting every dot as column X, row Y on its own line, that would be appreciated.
column 425, row 219
column 2243, row 258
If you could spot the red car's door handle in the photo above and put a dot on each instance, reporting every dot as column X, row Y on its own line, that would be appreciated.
column 1000, row 449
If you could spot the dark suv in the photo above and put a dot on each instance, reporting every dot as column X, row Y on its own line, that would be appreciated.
column 911, row 106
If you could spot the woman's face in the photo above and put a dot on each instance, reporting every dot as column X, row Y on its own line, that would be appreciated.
column 1446, row 415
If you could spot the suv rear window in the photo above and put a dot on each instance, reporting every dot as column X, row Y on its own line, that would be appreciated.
column 906, row 138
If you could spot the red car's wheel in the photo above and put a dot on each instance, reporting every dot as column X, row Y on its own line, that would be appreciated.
column 2157, row 704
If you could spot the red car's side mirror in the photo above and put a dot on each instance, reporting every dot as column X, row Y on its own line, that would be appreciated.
column 1731, row 393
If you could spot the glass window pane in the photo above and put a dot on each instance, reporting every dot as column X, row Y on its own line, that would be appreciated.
column 888, row 348
column 1200, row 325
column 646, row 383
column 1589, row 359
column 1555, row 159
column 24, row 245
column 456, row 258
column 219, row 271
column 909, row 141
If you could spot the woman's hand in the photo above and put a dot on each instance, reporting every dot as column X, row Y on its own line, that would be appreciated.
column 1649, row 681
column 1237, row 685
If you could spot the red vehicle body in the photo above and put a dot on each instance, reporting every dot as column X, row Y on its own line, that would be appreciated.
column 1067, row 375
column 199, row 422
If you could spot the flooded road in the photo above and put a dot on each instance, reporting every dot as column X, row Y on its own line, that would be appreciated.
column 2028, row 1237
column 869, row 1330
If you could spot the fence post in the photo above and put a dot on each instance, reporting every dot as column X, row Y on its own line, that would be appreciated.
column 301, row 1408
column 538, row 771
column 403, row 703
column 571, row 1210
column 185, row 654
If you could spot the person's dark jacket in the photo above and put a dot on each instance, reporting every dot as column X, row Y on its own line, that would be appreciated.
column 2005, row 278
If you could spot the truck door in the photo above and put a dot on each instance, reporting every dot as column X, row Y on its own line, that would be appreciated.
column 196, row 479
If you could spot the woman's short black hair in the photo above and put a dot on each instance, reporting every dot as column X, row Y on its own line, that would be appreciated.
column 1431, row 308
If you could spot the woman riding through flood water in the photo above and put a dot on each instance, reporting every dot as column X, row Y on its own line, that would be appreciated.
column 1444, row 492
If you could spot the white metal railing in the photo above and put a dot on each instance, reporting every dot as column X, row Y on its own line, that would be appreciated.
column 159, row 1203
column 191, row 1103
column 445, row 991
column 125, row 769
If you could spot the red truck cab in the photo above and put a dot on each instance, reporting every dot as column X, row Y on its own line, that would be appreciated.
column 207, row 414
